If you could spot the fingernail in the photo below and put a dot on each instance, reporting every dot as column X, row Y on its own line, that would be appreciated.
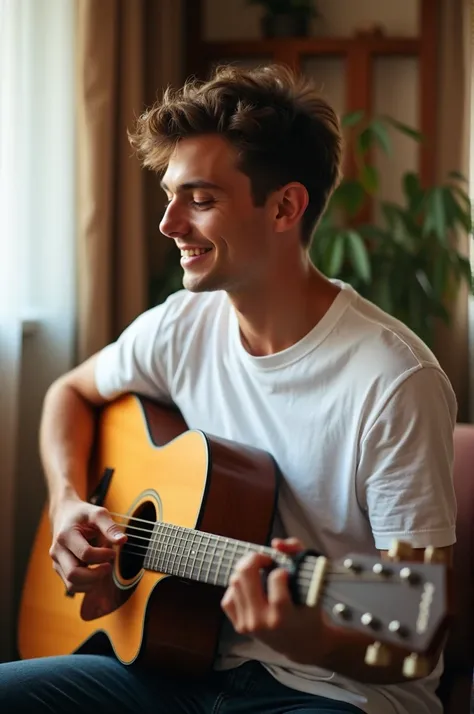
column 117, row 535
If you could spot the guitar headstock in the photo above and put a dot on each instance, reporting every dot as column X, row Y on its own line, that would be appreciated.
column 396, row 608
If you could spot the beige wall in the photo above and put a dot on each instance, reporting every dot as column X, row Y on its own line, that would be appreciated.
column 395, row 80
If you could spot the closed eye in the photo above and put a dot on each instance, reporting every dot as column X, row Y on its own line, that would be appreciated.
column 202, row 204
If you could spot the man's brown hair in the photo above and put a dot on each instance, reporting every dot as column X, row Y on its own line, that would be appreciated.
column 281, row 128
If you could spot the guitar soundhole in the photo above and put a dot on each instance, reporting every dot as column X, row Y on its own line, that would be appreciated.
column 138, row 531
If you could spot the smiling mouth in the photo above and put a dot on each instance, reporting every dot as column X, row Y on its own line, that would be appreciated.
column 193, row 252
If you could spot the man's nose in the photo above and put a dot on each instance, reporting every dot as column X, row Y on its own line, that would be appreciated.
column 174, row 223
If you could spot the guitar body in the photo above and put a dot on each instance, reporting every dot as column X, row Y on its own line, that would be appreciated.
column 156, row 470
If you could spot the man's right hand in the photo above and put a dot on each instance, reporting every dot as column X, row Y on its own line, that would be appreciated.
column 83, row 536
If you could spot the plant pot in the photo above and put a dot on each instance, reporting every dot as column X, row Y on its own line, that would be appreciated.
column 285, row 25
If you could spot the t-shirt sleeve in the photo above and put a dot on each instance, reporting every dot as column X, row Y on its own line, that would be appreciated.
column 134, row 362
column 404, row 476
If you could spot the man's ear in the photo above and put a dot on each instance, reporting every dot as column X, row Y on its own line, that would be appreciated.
column 291, row 202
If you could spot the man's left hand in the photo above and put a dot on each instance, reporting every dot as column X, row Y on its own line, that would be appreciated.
column 272, row 617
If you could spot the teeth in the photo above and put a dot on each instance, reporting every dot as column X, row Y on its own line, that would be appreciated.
column 193, row 251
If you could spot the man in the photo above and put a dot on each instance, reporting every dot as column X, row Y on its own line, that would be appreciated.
column 262, row 349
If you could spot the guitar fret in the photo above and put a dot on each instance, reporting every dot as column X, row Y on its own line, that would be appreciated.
column 146, row 560
column 191, row 554
column 169, row 548
column 211, row 559
column 176, row 538
column 203, row 555
column 156, row 547
column 231, row 562
column 221, row 561
column 184, row 540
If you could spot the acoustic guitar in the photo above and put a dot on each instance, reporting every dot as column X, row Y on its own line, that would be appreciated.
column 191, row 506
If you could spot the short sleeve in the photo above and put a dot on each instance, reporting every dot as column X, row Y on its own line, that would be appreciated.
column 134, row 363
column 404, row 475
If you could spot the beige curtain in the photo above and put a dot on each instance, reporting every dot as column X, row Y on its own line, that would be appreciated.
column 126, row 52
column 454, row 125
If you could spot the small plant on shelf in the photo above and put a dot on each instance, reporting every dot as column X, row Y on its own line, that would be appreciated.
column 286, row 18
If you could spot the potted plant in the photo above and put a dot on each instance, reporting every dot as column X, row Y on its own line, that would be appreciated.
column 408, row 262
column 286, row 18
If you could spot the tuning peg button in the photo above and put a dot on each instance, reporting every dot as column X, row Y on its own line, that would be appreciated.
column 397, row 628
column 409, row 576
column 415, row 666
column 342, row 611
column 400, row 550
column 349, row 564
column 377, row 655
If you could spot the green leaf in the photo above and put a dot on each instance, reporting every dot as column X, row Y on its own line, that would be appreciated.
column 349, row 195
column 466, row 271
column 464, row 203
column 358, row 255
column 402, row 232
column 336, row 256
column 455, row 212
column 435, row 219
column 380, row 133
column 405, row 129
column 440, row 274
column 364, row 141
column 382, row 295
column 414, row 193
column 411, row 185
column 352, row 118
column 369, row 178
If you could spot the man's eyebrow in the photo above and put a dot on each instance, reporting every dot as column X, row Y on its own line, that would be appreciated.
column 189, row 185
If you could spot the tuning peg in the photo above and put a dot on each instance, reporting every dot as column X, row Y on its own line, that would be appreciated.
column 409, row 576
column 415, row 666
column 377, row 655
column 342, row 611
column 381, row 569
column 400, row 550
column 434, row 555
column 349, row 564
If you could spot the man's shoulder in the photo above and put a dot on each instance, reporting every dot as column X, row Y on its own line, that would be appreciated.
column 385, row 342
column 384, row 358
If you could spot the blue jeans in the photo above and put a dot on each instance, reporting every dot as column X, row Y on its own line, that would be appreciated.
column 95, row 684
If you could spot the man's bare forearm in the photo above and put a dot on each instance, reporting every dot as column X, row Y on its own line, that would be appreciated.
column 66, row 436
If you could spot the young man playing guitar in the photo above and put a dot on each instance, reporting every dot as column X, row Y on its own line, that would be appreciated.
column 259, row 348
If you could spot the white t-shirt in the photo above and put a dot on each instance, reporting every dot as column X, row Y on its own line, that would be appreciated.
column 359, row 417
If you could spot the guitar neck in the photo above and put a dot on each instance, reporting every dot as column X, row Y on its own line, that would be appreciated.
column 207, row 558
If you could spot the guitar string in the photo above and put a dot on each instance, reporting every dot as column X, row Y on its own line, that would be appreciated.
column 220, row 552
column 330, row 593
column 304, row 577
column 173, row 530
column 181, row 548
column 211, row 538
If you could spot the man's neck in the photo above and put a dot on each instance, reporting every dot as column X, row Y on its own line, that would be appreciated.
column 280, row 314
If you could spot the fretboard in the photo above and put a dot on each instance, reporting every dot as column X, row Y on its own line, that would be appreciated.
column 207, row 558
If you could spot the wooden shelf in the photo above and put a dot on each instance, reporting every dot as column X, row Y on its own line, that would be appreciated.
column 311, row 46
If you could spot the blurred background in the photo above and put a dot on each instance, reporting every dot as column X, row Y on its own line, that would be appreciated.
column 80, row 250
